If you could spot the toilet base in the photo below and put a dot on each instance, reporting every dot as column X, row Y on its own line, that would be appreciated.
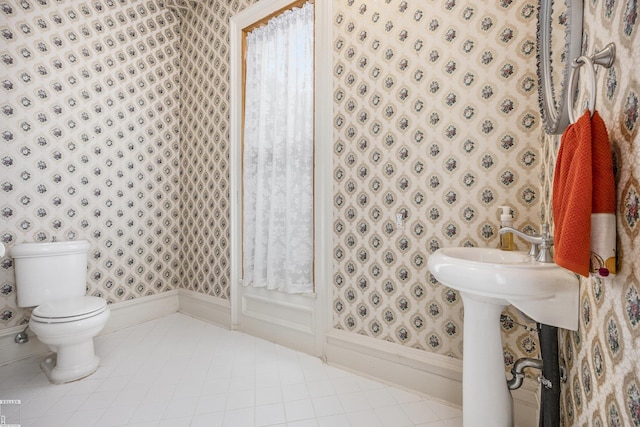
column 59, row 375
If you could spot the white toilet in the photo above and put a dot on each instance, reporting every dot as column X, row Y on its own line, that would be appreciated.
column 53, row 277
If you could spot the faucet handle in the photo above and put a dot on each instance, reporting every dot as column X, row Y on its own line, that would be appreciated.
column 546, row 235
column 545, row 245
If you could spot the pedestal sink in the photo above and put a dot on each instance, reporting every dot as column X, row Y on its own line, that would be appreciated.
column 488, row 280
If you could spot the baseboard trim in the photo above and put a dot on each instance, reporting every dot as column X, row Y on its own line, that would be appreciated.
column 10, row 351
column 205, row 307
column 139, row 310
column 526, row 404
column 433, row 375
column 416, row 370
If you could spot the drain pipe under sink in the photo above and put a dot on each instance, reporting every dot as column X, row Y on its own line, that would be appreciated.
column 550, row 378
column 550, row 396
column 518, row 371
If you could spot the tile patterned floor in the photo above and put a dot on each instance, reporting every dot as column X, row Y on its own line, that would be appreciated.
column 179, row 371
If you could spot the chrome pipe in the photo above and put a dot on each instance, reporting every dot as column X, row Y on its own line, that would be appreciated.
column 518, row 371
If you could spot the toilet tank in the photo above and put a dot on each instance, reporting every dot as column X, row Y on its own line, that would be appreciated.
column 50, row 271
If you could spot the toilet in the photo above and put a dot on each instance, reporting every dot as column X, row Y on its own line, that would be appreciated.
column 52, row 277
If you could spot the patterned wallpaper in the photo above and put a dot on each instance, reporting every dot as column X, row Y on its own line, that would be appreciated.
column 89, row 124
column 115, row 129
column 603, row 357
column 205, row 146
column 436, row 120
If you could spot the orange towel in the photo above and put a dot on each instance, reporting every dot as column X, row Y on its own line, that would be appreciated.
column 583, row 183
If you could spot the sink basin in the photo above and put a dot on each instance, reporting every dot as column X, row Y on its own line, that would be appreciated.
column 488, row 280
column 546, row 293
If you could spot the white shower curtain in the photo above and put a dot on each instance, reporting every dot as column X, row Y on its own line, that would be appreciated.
column 278, row 154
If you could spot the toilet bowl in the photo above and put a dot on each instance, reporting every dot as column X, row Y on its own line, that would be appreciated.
column 52, row 277
column 68, row 328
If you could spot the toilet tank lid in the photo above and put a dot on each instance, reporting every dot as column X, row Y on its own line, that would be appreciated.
column 26, row 250
column 70, row 307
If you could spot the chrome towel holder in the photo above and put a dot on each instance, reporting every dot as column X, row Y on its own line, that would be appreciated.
column 605, row 58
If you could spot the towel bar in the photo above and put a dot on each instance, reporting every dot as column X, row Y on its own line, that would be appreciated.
column 605, row 58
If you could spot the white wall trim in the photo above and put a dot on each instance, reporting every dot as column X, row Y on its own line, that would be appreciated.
column 139, row 310
column 323, row 180
column 205, row 307
column 433, row 375
column 409, row 368
column 10, row 351
column 323, row 171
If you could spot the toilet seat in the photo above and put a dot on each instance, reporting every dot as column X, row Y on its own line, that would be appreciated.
column 68, row 310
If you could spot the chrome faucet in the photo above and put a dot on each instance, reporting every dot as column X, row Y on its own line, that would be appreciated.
column 540, row 243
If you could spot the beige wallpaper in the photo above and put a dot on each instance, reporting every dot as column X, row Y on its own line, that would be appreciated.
column 205, row 145
column 90, row 141
column 436, row 119
column 603, row 357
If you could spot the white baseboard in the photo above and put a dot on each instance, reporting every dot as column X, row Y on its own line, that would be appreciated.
column 436, row 376
column 10, row 351
column 205, row 307
column 416, row 370
column 133, row 312
column 526, row 404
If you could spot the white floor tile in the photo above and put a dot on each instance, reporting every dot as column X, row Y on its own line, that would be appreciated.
column 443, row 411
column 340, row 420
column 211, row 419
column 216, row 385
column 148, row 412
column 179, row 408
column 453, row 422
column 420, row 412
column 211, row 403
column 433, row 424
column 403, row 396
column 380, row 397
column 53, row 420
column 67, row 403
column 84, row 418
column 240, row 400
column 392, row 416
column 99, row 400
column 312, row 422
column 268, row 395
column 239, row 418
column 354, row 402
column 320, row 388
column 344, row 385
column 297, row 391
column 299, row 410
column 179, row 371
column 363, row 419
column 116, row 416
column 175, row 422
column 327, row 405
column 268, row 415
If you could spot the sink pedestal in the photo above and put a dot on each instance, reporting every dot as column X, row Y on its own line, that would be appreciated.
column 486, row 400
column 488, row 280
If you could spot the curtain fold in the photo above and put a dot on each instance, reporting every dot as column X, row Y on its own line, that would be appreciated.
column 278, row 154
